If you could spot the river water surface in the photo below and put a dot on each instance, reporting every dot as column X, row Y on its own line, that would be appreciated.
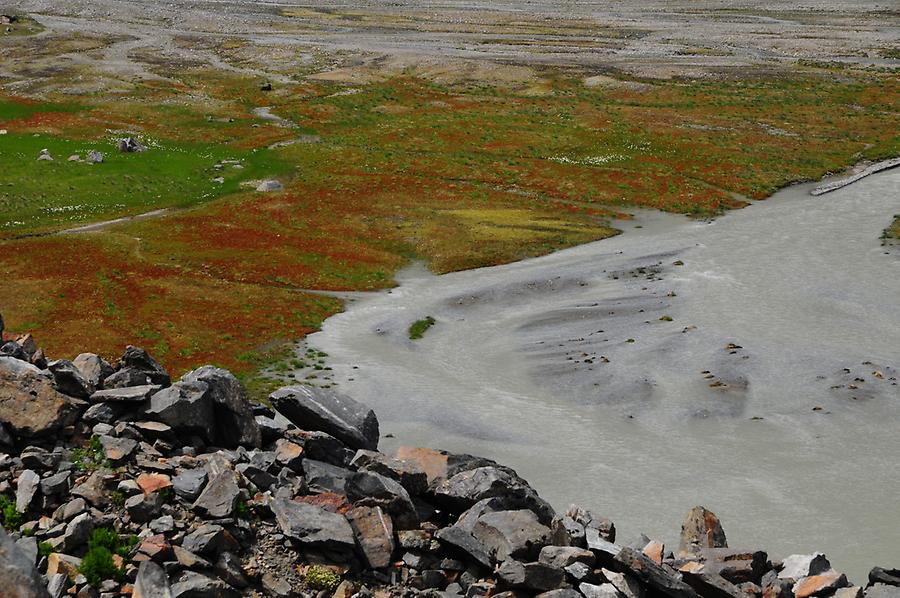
column 747, row 364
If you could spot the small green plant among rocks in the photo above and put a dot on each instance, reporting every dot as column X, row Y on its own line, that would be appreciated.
column 420, row 327
column 91, row 457
column 322, row 578
column 11, row 518
column 44, row 549
column 98, row 564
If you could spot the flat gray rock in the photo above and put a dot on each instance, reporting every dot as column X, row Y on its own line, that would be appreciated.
column 511, row 534
column 313, row 526
column 219, row 499
column 129, row 394
column 320, row 409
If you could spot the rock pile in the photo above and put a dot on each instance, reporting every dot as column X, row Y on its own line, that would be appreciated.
column 118, row 481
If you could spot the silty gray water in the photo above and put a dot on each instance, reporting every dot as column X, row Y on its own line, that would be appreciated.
column 770, row 397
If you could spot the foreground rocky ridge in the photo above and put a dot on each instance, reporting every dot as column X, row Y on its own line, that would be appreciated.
column 208, row 495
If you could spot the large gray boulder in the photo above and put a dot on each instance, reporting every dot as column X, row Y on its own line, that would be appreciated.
column 68, row 379
column 186, row 408
column 537, row 577
column 325, row 477
column 511, row 535
column 466, row 488
column 20, row 580
column 313, row 526
column 365, row 488
column 235, row 423
column 29, row 404
column 409, row 474
column 327, row 411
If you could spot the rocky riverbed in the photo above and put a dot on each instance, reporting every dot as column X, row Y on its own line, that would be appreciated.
column 118, row 481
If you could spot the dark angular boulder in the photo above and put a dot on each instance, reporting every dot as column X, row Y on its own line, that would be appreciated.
column 530, row 576
column 466, row 488
column 138, row 359
column 68, row 379
column 313, row 526
column 511, row 535
column 657, row 577
column 325, row 477
column 365, row 488
column 186, row 408
column 234, row 421
column 409, row 474
column 93, row 368
column 889, row 577
column 324, row 410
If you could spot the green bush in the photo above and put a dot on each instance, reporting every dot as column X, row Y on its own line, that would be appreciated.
column 97, row 565
column 10, row 518
column 322, row 578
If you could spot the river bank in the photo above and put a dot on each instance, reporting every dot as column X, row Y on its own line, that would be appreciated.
column 749, row 395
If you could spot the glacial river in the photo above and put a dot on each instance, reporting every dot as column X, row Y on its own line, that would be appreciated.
column 747, row 364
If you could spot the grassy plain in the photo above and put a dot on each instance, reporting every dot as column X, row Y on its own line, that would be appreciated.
column 461, row 175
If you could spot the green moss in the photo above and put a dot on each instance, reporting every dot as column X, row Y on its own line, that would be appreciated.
column 418, row 328
column 322, row 578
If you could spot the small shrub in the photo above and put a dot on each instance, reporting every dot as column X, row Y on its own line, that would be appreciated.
column 98, row 565
column 242, row 510
column 10, row 518
column 322, row 578
column 117, row 498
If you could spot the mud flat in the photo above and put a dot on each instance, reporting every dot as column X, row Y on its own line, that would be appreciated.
column 682, row 361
